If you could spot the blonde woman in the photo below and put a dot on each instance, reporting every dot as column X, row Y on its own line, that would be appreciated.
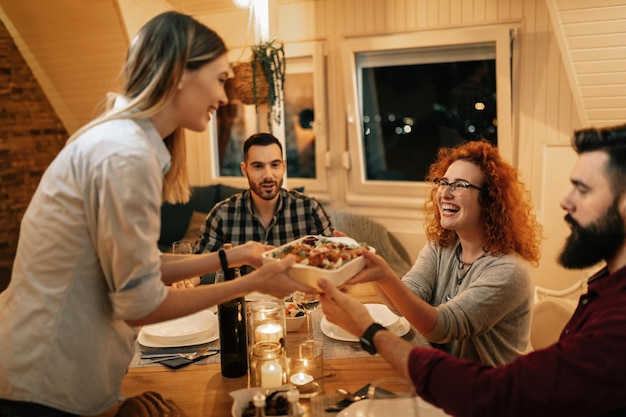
column 87, row 269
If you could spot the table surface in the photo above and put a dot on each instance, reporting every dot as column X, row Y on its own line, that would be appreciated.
column 201, row 390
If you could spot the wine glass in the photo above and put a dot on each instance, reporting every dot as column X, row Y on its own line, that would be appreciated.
column 307, row 302
column 182, row 247
column 392, row 396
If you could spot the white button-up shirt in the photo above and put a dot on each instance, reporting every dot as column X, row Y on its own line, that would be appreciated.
column 87, row 260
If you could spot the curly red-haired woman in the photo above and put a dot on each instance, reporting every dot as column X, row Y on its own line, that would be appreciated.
column 469, row 291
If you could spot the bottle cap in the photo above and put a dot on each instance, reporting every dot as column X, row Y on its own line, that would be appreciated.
column 293, row 395
column 259, row 400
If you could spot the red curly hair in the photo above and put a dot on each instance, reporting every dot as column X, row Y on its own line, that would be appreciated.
column 507, row 214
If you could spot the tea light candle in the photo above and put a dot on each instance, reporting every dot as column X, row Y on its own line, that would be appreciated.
column 300, row 378
column 271, row 374
column 268, row 332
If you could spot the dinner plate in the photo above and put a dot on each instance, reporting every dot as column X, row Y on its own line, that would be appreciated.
column 381, row 314
column 181, row 329
column 197, row 328
column 399, row 328
column 206, row 337
column 359, row 409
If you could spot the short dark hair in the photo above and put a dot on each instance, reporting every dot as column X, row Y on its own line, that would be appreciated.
column 260, row 139
column 612, row 141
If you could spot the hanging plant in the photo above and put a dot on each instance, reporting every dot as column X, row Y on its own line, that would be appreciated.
column 262, row 79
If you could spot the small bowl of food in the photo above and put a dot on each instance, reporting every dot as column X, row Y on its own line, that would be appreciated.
column 294, row 317
column 335, row 258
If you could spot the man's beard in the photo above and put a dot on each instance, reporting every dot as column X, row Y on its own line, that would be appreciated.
column 586, row 246
column 258, row 190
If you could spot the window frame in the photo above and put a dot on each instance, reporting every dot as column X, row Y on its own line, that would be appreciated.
column 403, row 194
column 301, row 57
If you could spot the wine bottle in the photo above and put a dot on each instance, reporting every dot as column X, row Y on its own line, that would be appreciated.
column 232, row 322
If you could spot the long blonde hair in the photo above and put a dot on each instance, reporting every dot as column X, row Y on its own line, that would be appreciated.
column 162, row 50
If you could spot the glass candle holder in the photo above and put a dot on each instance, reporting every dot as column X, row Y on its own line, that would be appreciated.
column 306, row 362
column 266, row 322
column 268, row 365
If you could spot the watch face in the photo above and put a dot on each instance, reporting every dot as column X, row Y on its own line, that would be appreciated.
column 368, row 346
column 366, row 340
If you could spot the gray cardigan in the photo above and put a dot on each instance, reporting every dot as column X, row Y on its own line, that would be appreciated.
column 486, row 318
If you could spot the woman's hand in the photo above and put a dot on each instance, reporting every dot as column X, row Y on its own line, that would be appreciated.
column 273, row 279
column 247, row 254
column 376, row 269
column 186, row 283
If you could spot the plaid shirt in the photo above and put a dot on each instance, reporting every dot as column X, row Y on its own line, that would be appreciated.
column 233, row 221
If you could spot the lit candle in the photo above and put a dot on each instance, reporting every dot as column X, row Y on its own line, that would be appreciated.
column 271, row 374
column 300, row 378
column 268, row 332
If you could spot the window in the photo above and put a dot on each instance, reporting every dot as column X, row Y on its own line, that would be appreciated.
column 409, row 94
column 305, row 143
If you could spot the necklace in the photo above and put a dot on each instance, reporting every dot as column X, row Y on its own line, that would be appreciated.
column 462, row 270
column 462, row 264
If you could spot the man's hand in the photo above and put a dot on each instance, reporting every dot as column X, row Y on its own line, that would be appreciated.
column 343, row 310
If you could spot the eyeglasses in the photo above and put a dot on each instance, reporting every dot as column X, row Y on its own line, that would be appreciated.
column 455, row 186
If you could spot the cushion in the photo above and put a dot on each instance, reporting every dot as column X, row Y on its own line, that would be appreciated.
column 176, row 218
column 366, row 230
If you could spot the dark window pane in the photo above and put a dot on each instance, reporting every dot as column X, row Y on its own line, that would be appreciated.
column 299, row 120
column 409, row 111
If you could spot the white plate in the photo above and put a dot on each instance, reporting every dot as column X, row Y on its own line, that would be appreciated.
column 242, row 397
column 309, row 275
column 210, row 333
column 381, row 314
column 399, row 328
column 359, row 409
column 182, row 329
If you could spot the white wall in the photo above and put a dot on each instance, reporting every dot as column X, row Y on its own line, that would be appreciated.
column 545, row 120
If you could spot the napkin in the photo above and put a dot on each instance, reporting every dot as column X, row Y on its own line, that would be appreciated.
column 177, row 363
column 345, row 403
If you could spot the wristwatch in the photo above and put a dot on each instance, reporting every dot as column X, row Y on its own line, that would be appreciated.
column 366, row 340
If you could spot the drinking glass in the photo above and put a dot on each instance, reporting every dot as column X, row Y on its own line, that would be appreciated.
column 307, row 302
column 182, row 247
column 392, row 396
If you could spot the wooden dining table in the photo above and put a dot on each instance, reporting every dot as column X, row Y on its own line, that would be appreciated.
column 200, row 390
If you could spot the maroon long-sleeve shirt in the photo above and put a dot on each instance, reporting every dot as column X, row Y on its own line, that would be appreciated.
column 583, row 374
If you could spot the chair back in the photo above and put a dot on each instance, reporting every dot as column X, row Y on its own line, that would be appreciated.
column 549, row 318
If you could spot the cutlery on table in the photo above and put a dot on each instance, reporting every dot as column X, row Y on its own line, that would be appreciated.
column 158, row 357
column 309, row 385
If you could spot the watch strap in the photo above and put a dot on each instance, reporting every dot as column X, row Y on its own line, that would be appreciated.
column 366, row 340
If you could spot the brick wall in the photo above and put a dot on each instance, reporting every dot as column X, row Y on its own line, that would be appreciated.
column 30, row 136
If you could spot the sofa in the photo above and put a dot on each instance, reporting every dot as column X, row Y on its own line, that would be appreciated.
column 183, row 222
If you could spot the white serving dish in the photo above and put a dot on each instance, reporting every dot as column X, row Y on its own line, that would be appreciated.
column 309, row 275
column 242, row 397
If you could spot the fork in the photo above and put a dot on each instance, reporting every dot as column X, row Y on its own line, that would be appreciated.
column 189, row 356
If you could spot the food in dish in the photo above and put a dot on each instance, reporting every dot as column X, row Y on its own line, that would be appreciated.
column 320, row 252
column 242, row 398
column 308, row 274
